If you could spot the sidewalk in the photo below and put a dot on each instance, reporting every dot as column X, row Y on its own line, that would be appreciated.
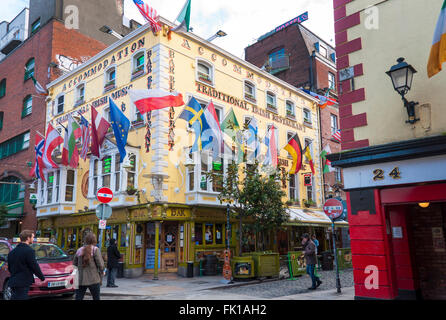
column 346, row 294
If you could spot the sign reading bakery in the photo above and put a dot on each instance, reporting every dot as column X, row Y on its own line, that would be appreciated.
column 116, row 57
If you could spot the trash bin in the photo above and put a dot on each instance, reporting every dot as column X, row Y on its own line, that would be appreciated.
column 120, row 273
column 327, row 260
column 190, row 269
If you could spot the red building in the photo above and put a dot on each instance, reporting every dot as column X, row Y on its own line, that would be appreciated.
column 23, row 112
column 298, row 56
column 394, row 151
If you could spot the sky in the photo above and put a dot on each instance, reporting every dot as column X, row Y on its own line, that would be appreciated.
column 243, row 20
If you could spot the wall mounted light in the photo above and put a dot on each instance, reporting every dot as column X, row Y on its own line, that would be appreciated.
column 402, row 76
column 424, row 204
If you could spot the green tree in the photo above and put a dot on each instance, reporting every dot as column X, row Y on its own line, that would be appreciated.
column 255, row 197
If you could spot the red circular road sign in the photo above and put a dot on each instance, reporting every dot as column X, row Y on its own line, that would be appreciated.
column 333, row 208
column 104, row 195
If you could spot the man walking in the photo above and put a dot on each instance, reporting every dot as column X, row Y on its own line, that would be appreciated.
column 310, row 260
column 113, row 256
column 22, row 264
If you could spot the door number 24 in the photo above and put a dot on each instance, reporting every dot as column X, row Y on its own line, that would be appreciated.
column 379, row 174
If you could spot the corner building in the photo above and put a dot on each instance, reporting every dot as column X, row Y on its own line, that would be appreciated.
column 394, row 171
column 170, row 198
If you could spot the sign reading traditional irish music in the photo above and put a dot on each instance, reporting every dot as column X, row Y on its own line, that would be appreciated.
column 333, row 208
column 104, row 195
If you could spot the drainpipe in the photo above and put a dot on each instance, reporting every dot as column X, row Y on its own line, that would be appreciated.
column 312, row 77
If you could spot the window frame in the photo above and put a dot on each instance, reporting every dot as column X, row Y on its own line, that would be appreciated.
column 331, row 80
column 333, row 120
column 110, row 84
column 211, row 76
column 254, row 90
column 273, row 107
column 293, row 113
column 27, row 110
column 57, row 104
column 307, row 120
column 60, row 184
column 138, row 72
column 3, row 88
column 21, row 140
column 34, row 29
column 80, row 99
column 30, row 72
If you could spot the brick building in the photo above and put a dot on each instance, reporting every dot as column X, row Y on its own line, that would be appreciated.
column 38, row 43
column 296, row 55
column 394, row 150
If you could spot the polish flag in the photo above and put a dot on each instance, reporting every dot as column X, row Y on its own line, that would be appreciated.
column 154, row 99
column 99, row 129
column 52, row 140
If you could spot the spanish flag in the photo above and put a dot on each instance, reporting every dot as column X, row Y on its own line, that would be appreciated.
column 438, row 51
column 309, row 158
column 295, row 150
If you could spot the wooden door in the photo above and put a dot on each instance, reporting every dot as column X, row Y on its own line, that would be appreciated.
column 169, row 247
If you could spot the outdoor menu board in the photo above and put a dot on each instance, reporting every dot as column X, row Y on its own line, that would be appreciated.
column 150, row 258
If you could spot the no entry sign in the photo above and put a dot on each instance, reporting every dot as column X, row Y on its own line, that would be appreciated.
column 333, row 208
column 104, row 195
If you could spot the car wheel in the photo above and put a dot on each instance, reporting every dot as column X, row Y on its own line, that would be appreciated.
column 7, row 291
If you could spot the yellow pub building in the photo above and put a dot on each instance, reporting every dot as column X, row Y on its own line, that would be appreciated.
column 160, row 190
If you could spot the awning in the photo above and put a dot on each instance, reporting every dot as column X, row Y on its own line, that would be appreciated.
column 311, row 217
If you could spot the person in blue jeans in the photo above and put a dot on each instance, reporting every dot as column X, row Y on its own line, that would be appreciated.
column 310, row 260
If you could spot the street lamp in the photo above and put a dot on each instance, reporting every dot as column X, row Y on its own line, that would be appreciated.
column 219, row 34
column 402, row 76
column 108, row 30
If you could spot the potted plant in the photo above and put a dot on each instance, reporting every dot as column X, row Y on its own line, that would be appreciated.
column 271, row 106
column 250, row 97
column 309, row 203
column 131, row 190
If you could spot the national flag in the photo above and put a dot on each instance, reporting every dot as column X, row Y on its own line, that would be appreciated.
column 253, row 141
column 37, row 169
column 307, row 153
column 52, row 140
column 149, row 14
column 121, row 127
column 213, row 137
column 230, row 127
column 154, row 99
column 323, row 100
column 184, row 16
column 99, row 128
column 193, row 113
column 325, row 162
column 39, row 88
column 438, row 51
column 70, row 154
column 337, row 136
column 294, row 148
column 86, row 136
column 271, row 153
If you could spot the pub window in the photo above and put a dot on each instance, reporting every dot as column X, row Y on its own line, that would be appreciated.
column 307, row 116
column 95, row 175
column 209, row 233
column 117, row 172
column 27, row 106
column 106, row 171
column 29, row 69
column 250, row 91
column 110, row 79
column 69, row 187
column 60, row 104
column 138, row 63
column 271, row 100
column 205, row 72
column 290, row 109
column 80, row 94
column 204, row 156
column 198, row 233
column 131, row 172
column 191, row 172
column 123, row 235
column 219, row 233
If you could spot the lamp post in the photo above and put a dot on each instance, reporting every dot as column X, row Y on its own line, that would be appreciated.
column 402, row 76
column 108, row 30
column 219, row 34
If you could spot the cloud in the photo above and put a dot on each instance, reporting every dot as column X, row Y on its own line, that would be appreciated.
column 245, row 20
column 11, row 8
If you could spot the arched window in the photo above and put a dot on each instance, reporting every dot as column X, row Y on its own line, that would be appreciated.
column 27, row 106
column 271, row 101
column 110, row 79
column 29, row 69
column 250, row 92
column 290, row 109
column 307, row 116
column 205, row 72
column 80, row 94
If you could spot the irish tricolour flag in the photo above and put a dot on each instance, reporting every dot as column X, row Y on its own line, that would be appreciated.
column 438, row 51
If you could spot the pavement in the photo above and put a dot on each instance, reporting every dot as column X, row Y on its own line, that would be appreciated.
column 170, row 286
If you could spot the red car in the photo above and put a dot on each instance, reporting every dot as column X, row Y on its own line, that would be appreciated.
column 56, row 266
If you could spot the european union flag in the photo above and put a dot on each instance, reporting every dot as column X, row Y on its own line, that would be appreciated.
column 193, row 113
column 121, row 126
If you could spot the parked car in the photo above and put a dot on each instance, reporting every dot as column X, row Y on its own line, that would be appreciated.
column 56, row 266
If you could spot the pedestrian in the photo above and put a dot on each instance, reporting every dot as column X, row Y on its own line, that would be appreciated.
column 310, row 260
column 22, row 265
column 316, row 243
column 90, row 264
column 113, row 256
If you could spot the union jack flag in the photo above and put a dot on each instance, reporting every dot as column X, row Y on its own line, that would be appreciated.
column 149, row 14
column 86, row 135
column 37, row 169
column 337, row 136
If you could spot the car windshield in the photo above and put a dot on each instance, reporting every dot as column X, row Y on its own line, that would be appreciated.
column 48, row 251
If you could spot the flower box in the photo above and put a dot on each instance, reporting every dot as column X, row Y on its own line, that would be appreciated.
column 250, row 98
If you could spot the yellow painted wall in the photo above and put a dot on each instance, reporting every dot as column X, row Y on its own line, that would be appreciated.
column 405, row 29
column 229, row 76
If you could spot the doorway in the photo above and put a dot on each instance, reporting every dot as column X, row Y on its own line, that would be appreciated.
column 169, row 247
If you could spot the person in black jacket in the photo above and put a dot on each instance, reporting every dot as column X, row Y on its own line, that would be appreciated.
column 22, row 264
column 113, row 256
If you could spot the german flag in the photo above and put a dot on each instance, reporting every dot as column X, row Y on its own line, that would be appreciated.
column 295, row 150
